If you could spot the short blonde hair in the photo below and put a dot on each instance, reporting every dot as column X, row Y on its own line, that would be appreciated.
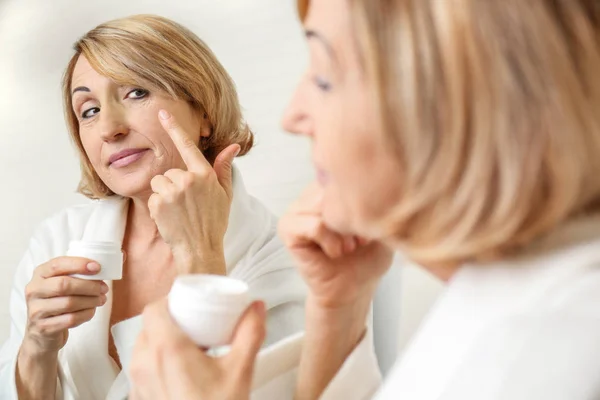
column 493, row 110
column 159, row 54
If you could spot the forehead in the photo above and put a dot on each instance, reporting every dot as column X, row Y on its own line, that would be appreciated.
column 331, row 20
column 84, row 72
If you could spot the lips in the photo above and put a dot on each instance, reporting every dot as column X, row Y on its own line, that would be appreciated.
column 125, row 157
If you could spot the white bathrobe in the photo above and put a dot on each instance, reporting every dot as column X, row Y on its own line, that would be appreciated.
column 86, row 372
column 524, row 329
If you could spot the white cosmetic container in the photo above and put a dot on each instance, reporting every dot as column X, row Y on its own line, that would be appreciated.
column 208, row 307
column 107, row 254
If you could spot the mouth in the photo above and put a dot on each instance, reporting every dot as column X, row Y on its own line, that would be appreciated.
column 126, row 157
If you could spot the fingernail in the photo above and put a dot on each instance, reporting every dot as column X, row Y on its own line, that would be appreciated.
column 237, row 151
column 104, row 288
column 163, row 114
column 103, row 299
column 93, row 267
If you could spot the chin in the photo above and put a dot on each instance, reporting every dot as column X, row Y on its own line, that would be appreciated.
column 350, row 221
column 133, row 184
column 132, row 188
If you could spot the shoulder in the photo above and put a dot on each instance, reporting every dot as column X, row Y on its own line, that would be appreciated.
column 51, row 238
column 69, row 219
column 70, row 223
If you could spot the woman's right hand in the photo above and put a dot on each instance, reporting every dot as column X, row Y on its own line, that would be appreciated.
column 57, row 302
column 338, row 269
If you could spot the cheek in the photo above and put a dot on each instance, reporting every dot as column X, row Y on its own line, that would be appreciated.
column 146, row 124
column 91, row 147
column 363, row 172
column 345, row 139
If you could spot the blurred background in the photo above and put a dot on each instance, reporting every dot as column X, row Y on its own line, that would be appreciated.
column 259, row 42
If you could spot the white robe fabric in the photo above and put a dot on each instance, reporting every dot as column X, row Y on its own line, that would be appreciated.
column 253, row 254
column 524, row 329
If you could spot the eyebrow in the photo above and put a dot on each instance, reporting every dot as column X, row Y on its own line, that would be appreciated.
column 80, row 89
column 311, row 34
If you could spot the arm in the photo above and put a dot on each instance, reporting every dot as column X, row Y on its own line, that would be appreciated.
column 331, row 336
column 338, row 358
column 36, row 374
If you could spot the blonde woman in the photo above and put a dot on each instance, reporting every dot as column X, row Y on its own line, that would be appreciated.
column 157, row 123
column 465, row 134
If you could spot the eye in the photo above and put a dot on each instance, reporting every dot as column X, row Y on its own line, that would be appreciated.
column 137, row 94
column 90, row 112
column 322, row 84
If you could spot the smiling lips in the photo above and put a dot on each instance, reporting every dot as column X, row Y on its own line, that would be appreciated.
column 126, row 157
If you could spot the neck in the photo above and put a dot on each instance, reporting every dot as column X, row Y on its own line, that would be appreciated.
column 139, row 222
column 443, row 272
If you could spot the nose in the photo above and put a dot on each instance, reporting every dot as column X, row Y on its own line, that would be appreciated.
column 296, row 118
column 113, row 123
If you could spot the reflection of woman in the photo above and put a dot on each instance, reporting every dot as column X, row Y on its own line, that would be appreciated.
column 166, row 190
column 465, row 133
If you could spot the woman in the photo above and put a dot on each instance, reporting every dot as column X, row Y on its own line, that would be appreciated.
column 466, row 134
column 157, row 123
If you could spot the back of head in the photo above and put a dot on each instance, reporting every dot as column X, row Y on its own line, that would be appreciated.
column 159, row 54
column 493, row 109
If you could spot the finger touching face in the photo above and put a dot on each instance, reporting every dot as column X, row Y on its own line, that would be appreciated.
column 185, row 143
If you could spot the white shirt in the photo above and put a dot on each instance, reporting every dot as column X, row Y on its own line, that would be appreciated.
column 522, row 329
column 253, row 253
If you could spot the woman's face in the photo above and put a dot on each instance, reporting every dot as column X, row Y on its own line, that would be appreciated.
column 334, row 105
column 121, row 133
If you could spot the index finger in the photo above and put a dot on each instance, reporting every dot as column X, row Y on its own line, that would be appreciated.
column 189, row 151
column 68, row 266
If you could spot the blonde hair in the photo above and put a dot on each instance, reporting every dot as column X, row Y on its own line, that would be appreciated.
column 493, row 110
column 159, row 54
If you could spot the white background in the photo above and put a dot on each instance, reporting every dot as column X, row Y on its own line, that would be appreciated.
column 261, row 45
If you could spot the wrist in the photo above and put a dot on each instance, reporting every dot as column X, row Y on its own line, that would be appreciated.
column 346, row 322
column 36, row 372
column 200, row 261
column 31, row 352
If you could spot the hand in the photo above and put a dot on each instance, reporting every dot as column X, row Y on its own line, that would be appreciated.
column 166, row 364
column 57, row 302
column 191, row 208
column 342, row 273
column 338, row 269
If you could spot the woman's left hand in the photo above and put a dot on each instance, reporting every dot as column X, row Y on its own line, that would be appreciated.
column 166, row 364
column 191, row 208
